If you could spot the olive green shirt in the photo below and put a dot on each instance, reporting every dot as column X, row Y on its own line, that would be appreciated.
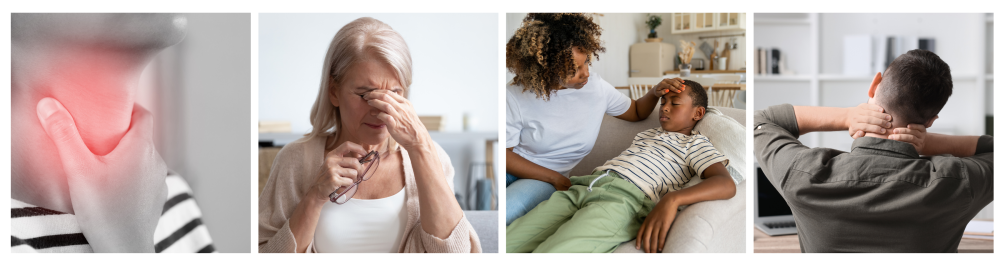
column 879, row 197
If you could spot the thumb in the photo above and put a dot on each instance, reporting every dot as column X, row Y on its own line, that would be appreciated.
column 61, row 129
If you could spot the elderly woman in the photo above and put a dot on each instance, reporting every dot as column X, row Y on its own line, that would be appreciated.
column 368, row 178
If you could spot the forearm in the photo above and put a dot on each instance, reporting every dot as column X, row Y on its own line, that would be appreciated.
column 956, row 145
column 439, row 211
column 646, row 104
column 713, row 188
column 304, row 219
column 820, row 119
column 522, row 168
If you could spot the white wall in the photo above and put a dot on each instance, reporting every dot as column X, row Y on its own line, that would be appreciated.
column 620, row 31
column 199, row 94
column 454, row 64
column 953, row 34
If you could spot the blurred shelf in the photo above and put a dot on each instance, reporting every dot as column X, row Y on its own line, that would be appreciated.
column 782, row 21
column 845, row 78
column 781, row 78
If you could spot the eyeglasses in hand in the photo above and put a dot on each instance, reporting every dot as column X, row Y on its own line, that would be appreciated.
column 370, row 163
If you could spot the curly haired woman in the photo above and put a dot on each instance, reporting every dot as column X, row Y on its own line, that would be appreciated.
column 555, row 104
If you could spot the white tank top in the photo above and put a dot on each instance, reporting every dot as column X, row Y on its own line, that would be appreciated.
column 362, row 226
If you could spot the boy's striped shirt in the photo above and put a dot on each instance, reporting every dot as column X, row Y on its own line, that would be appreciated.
column 37, row 229
column 659, row 161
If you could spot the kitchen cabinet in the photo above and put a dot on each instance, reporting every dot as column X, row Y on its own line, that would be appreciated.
column 682, row 23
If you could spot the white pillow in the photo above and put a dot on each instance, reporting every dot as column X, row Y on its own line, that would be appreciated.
column 729, row 137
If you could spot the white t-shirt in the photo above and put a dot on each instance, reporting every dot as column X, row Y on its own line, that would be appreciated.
column 362, row 226
column 558, row 133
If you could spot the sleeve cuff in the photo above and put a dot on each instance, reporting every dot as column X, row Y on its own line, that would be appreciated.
column 780, row 115
column 984, row 145
column 463, row 239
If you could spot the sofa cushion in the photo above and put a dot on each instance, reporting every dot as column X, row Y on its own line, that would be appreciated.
column 729, row 137
column 485, row 223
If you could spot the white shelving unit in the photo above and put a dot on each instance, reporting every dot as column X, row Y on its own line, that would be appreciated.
column 811, row 47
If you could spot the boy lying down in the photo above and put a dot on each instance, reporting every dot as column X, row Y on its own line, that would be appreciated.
column 636, row 194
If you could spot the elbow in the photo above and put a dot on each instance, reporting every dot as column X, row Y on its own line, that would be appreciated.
column 730, row 190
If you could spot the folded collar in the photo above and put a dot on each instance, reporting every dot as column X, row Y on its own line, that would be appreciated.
column 884, row 147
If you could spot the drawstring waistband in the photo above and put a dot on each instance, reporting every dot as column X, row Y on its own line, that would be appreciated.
column 595, row 180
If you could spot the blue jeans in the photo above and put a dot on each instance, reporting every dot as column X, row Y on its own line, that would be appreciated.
column 524, row 194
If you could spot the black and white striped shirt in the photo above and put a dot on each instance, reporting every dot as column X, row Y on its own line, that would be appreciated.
column 659, row 161
column 37, row 229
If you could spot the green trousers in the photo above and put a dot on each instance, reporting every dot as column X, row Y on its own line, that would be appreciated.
column 577, row 220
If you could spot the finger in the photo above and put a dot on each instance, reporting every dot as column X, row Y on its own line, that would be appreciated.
column 348, row 173
column 675, row 84
column 61, row 129
column 870, row 128
column 872, row 107
column 139, row 135
column 904, row 131
column 384, row 107
column 638, row 236
column 647, row 235
column 903, row 138
column 874, row 117
column 394, row 99
column 858, row 134
column 917, row 127
column 390, row 122
column 347, row 148
column 661, row 240
column 348, row 162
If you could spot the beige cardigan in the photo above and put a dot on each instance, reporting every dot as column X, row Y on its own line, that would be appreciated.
column 293, row 173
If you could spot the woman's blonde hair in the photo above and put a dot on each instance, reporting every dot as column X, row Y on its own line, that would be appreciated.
column 361, row 40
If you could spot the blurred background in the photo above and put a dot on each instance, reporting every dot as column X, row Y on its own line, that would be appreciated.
column 831, row 59
column 199, row 94
column 642, row 49
column 454, row 87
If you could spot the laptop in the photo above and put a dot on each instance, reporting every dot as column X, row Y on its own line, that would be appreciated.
column 771, row 213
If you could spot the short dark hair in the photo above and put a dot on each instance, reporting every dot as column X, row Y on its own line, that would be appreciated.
column 915, row 86
column 698, row 93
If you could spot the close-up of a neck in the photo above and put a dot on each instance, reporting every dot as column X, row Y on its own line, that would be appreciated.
column 340, row 138
column 96, row 85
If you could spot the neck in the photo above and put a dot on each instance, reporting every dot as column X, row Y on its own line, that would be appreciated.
column 97, row 86
column 338, row 138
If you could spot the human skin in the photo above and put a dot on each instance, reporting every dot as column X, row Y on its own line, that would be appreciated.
column 373, row 109
column 638, row 110
column 90, row 64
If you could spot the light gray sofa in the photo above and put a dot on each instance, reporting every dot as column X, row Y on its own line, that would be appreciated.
column 486, row 224
column 712, row 226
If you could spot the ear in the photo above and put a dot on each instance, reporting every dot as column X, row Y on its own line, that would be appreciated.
column 332, row 90
column 699, row 113
column 930, row 122
column 875, row 82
